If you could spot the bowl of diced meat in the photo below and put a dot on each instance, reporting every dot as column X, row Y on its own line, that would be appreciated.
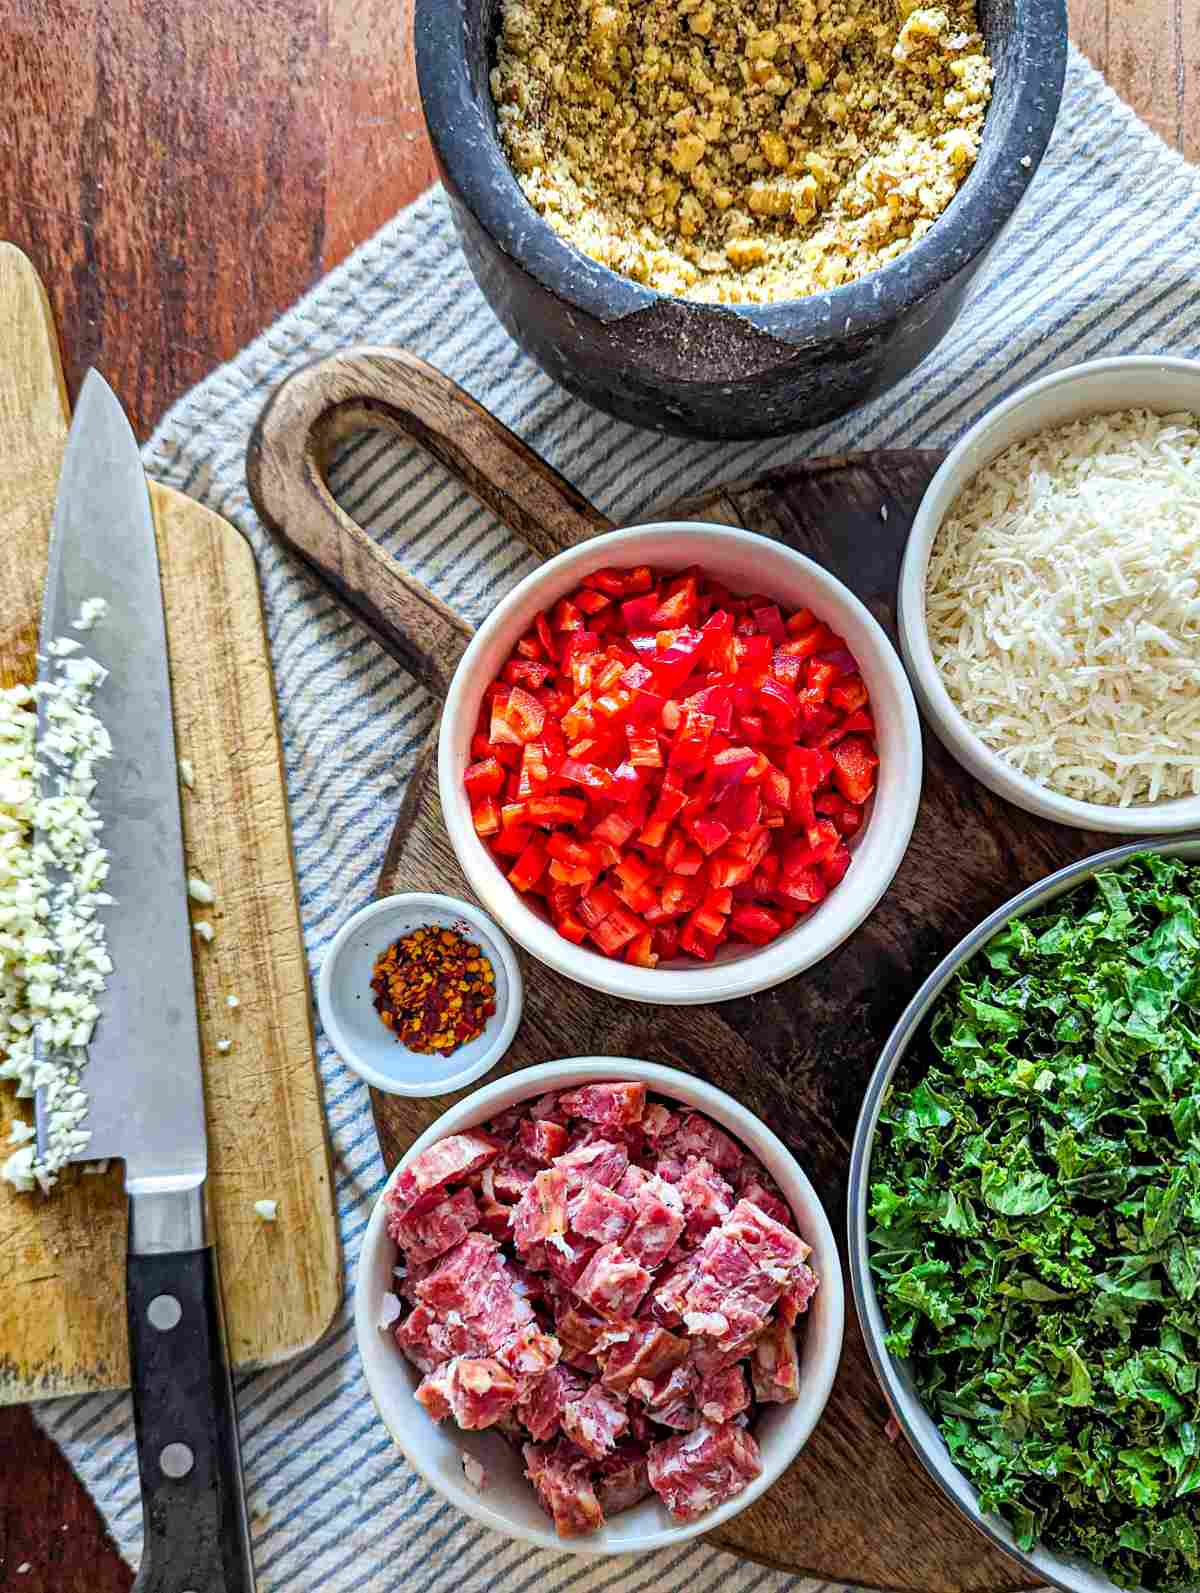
column 679, row 763
column 599, row 1306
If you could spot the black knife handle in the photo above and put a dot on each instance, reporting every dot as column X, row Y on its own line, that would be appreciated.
column 196, row 1536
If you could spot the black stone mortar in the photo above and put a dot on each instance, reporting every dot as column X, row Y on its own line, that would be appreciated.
column 711, row 371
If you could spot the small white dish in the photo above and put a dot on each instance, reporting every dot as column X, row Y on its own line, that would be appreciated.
column 507, row 1503
column 1100, row 387
column 346, row 1003
column 745, row 562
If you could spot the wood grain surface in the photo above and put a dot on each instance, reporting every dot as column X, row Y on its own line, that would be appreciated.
column 62, row 1327
column 180, row 175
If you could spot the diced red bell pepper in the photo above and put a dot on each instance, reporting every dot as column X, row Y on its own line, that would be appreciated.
column 730, row 745
column 621, row 583
column 526, row 672
column 578, row 854
column 854, row 765
column 485, row 778
column 804, row 887
column 589, row 775
column 627, row 783
column 485, row 815
column 778, row 703
column 708, row 833
column 637, row 613
column 640, row 951
column 754, row 924
column 689, row 750
column 529, row 867
column 681, row 857
column 556, row 809
column 694, row 938
column 821, row 676
column 677, row 609
column 680, row 894
column 805, row 643
column 596, row 904
column 833, row 868
column 565, row 616
column 615, row 930
column 769, row 621
column 644, row 750
column 571, row 928
column 859, row 723
column 725, row 871
column 615, row 829
column 523, row 714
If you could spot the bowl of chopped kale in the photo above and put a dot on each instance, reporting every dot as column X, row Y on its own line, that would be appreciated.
column 1025, row 1223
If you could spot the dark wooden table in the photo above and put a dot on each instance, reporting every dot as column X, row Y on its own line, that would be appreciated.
column 179, row 175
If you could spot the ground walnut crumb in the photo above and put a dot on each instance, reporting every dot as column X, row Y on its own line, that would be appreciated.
column 741, row 152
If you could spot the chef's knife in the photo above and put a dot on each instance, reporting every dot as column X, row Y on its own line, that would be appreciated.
column 143, row 1076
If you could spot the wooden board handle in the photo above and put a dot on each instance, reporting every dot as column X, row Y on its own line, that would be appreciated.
column 388, row 389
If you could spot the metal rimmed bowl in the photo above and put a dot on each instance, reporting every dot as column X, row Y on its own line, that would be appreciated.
column 1071, row 1574
column 717, row 371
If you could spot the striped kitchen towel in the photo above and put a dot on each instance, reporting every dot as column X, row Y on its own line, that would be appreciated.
column 1099, row 260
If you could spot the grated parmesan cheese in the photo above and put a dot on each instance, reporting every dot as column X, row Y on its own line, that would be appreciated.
column 1063, row 607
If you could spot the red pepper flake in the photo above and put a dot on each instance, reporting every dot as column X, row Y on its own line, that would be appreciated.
column 434, row 989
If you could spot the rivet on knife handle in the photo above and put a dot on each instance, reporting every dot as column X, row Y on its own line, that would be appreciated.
column 382, row 388
column 196, row 1533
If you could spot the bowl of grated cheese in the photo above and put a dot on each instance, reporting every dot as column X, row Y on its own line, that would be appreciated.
column 1049, row 604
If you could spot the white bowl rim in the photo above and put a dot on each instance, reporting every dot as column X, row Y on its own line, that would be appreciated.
column 961, row 740
column 764, row 967
column 498, row 942
column 1069, row 1574
column 741, row 1122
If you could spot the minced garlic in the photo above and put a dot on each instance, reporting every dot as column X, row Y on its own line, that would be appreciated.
column 746, row 152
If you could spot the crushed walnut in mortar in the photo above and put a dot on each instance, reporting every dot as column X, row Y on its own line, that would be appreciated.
column 741, row 151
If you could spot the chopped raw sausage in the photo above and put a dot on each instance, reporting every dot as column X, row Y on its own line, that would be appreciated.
column 476, row 1392
column 542, row 1140
column 613, row 1282
column 425, row 1235
column 609, row 1105
column 599, row 1213
column 595, row 1421
column 437, row 1165
column 696, row 1471
column 560, row 1476
column 591, row 1271
column 775, row 1365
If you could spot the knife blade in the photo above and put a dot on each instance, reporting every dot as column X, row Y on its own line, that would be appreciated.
column 143, row 1071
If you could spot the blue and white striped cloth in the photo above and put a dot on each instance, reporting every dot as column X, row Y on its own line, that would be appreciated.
column 1101, row 259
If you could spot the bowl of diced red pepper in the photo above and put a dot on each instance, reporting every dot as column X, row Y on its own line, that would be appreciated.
column 680, row 763
column 609, row 1435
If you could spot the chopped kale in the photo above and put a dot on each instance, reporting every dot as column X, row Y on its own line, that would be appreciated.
column 1035, row 1222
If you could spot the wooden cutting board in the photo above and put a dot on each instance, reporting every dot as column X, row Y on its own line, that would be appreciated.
column 62, row 1281
column 854, row 1507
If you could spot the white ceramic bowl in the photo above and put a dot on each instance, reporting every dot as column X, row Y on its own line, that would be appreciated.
column 1100, row 387
column 348, row 1015
column 508, row 1504
column 745, row 563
